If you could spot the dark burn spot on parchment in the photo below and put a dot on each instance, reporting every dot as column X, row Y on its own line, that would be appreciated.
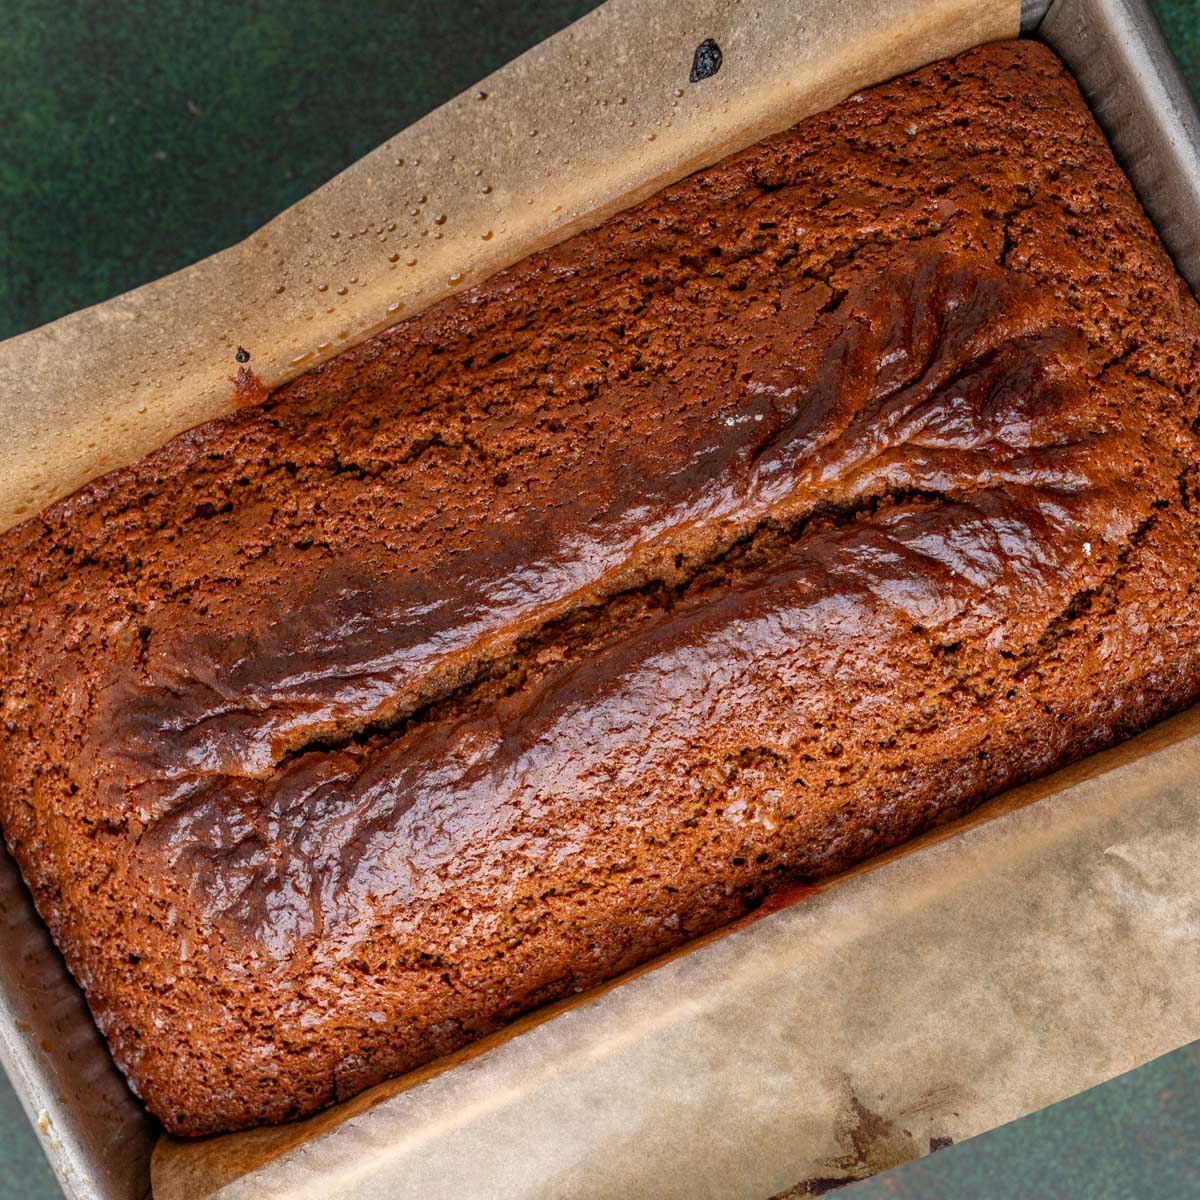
column 706, row 61
column 871, row 1143
column 818, row 1186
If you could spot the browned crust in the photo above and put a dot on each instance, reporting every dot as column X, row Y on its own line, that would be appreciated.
column 805, row 505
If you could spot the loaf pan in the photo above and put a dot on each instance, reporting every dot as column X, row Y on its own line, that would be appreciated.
column 96, row 1135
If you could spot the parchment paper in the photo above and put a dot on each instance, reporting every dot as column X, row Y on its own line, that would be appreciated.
column 937, row 993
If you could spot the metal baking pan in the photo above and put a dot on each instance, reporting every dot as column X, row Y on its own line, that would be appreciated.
column 95, row 1133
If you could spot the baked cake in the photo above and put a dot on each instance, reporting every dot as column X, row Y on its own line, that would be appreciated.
column 828, row 492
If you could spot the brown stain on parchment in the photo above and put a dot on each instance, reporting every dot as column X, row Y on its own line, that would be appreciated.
column 871, row 1142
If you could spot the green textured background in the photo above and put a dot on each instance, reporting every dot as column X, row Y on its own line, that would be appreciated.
column 138, row 137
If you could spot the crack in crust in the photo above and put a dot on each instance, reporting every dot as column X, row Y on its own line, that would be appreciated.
column 966, row 384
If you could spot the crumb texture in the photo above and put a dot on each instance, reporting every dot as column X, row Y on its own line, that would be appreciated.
column 809, row 503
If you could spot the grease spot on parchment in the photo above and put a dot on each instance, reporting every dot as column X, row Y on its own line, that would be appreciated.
column 870, row 1141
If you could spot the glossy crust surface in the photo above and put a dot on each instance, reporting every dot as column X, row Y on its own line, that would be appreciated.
column 828, row 492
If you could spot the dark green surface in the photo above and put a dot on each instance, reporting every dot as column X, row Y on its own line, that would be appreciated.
column 1136, row 1137
column 136, row 138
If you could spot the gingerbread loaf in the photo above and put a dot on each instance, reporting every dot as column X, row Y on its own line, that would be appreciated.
column 809, row 503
